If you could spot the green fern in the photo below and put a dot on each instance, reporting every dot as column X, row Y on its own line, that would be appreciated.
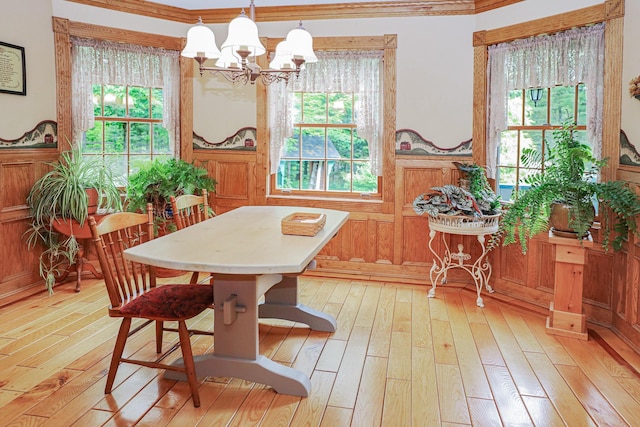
column 570, row 177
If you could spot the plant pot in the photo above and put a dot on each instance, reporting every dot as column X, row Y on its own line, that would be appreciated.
column 559, row 221
column 92, row 200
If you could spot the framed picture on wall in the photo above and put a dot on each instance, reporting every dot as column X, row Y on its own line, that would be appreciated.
column 13, row 73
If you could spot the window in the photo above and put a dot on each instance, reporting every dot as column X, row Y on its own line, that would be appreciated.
column 128, row 129
column 530, row 124
column 325, row 152
column 125, row 102
column 570, row 64
column 326, row 127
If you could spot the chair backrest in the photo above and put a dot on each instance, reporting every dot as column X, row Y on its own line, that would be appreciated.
column 116, row 232
column 189, row 209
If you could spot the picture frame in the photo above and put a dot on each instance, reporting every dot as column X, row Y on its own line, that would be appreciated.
column 13, row 72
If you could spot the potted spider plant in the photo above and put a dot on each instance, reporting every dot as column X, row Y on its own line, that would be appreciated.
column 75, row 187
column 562, row 196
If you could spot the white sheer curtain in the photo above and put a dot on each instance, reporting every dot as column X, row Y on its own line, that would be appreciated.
column 566, row 58
column 336, row 71
column 103, row 62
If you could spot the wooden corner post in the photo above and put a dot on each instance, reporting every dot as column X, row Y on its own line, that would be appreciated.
column 565, row 312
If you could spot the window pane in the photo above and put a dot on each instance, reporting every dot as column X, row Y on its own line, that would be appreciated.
column 339, row 175
column 115, row 137
column 506, row 182
column 140, row 138
column 118, row 165
column 360, row 147
column 508, row 148
column 314, row 108
column 340, row 108
column 582, row 105
column 292, row 146
column 535, row 112
column 313, row 143
column 363, row 180
column 157, row 100
column 339, row 143
column 92, row 140
column 114, row 99
column 313, row 173
column 297, row 107
column 289, row 175
column 138, row 103
column 161, row 143
column 530, row 139
column 97, row 100
column 514, row 108
column 562, row 104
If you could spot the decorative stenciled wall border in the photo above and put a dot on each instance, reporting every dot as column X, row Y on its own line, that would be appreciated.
column 244, row 139
column 629, row 155
column 44, row 135
column 410, row 142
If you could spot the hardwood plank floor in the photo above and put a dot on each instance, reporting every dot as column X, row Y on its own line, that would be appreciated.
column 397, row 359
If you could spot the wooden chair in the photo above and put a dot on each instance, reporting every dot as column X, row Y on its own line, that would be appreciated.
column 133, row 294
column 188, row 210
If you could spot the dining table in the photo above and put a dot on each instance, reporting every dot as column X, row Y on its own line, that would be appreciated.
column 255, row 268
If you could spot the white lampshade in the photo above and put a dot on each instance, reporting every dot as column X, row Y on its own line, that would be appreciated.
column 283, row 56
column 243, row 35
column 301, row 43
column 201, row 42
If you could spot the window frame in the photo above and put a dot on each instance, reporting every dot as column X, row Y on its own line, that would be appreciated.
column 266, row 189
column 545, row 129
column 327, row 126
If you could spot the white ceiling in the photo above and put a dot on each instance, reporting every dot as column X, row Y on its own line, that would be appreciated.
column 226, row 4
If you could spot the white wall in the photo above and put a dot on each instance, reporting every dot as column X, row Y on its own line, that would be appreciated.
column 529, row 10
column 434, row 79
column 434, row 67
column 28, row 24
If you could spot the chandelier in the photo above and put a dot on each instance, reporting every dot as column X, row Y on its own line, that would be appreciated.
column 236, row 60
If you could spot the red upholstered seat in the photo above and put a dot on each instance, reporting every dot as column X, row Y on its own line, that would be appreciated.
column 178, row 301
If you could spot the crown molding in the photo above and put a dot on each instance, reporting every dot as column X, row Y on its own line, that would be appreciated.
column 380, row 9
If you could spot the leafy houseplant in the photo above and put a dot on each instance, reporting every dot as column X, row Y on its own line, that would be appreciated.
column 474, row 197
column 157, row 181
column 62, row 195
column 569, row 177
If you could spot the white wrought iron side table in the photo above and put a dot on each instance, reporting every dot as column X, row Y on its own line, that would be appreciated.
column 480, row 269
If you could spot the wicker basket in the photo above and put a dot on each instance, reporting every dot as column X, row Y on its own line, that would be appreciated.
column 303, row 223
column 462, row 224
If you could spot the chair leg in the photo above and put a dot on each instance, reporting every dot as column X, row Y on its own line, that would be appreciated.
column 117, row 353
column 194, row 278
column 159, row 331
column 189, row 365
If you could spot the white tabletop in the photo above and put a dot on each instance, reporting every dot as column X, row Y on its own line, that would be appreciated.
column 247, row 240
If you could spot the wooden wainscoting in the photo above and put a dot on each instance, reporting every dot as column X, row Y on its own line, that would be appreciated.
column 235, row 173
column 19, row 169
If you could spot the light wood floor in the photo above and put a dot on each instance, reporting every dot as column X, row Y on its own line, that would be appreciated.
column 397, row 359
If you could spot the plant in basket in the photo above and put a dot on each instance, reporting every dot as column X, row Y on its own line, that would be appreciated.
column 474, row 198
